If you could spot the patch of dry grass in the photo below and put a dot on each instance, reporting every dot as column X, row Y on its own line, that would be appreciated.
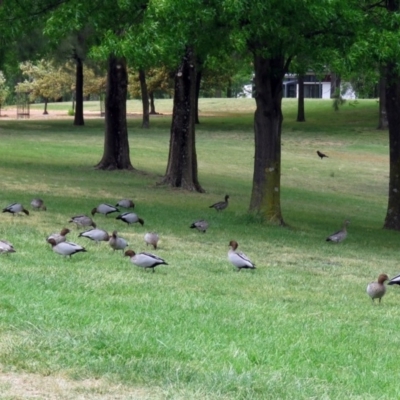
column 20, row 386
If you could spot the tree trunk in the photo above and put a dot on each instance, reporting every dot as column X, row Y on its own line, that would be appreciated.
column 300, row 104
column 78, row 119
column 392, row 220
column 198, row 83
column 265, row 196
column 45, row 107
column 152, row 105
column 116, row 145
column 336, row 81
column 182, row 160
column 383, row 122
column 229, row 89
column 145, row 99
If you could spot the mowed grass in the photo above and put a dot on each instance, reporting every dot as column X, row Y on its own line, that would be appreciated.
column 300, row 326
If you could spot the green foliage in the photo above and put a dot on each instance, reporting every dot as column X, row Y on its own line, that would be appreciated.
column 46, row 79
column 4, row 90
column 157, row 80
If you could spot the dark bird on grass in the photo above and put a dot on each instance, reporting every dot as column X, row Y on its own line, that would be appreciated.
column 201, row 225
column 15, row 208
column 339, row 236
column 321, row 155
column 221, row 205
column 376, row 290
column 145, row 260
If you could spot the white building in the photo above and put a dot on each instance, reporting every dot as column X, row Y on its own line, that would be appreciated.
column 314, row 88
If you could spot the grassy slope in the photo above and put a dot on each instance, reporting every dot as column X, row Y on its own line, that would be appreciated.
column 300, row 326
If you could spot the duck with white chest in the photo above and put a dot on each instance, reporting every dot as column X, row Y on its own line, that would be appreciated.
column 239, row 259
column 66, row 249
column 145, row 260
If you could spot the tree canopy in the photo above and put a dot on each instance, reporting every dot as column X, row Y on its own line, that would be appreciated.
column 273, row 36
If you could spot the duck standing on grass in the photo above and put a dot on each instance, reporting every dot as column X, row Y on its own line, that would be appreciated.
column 104, row 209
column 130, row 218
column 145, row 260
column 339, row 236
column 66, row 248
column 237, row 258
column 116, row 242
column 96, row 234
column 59, row 237
column 15, row 208
column 221, row 205
column 201, row 225
column 126, row 203
column 82, row 220
column 38, row 204
column 6, row 247
column 376, row 290
column 151, row 238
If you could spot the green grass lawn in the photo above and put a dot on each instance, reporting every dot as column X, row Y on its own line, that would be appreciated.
column 300, row 326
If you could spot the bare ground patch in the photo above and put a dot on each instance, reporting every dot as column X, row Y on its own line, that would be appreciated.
column 21, row 386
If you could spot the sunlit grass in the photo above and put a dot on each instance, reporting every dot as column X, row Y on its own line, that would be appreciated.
column 300, row 326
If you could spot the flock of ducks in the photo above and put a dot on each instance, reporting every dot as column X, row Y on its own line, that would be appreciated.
column 60, row 245
column 146, row 260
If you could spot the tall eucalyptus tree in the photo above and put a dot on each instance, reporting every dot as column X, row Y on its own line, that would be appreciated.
column 188, row 29
column 274, row 32
column 111, row 22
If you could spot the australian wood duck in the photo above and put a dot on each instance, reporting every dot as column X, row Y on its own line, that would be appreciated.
column 201, row 225
column 221, row 205
column 130, row 218
column 151, row 238
column 395, row 280
column 96, row 234
column 116, row 242
column 6, row 247
column 66, row 248
column 238, row 259
column 82, row 220
column 145, row 260
column 104, row 209
column 15, row 208
column 339, row 236
column 59, row 237
column 126, row 203
column 38, row 204
column 376, row 290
